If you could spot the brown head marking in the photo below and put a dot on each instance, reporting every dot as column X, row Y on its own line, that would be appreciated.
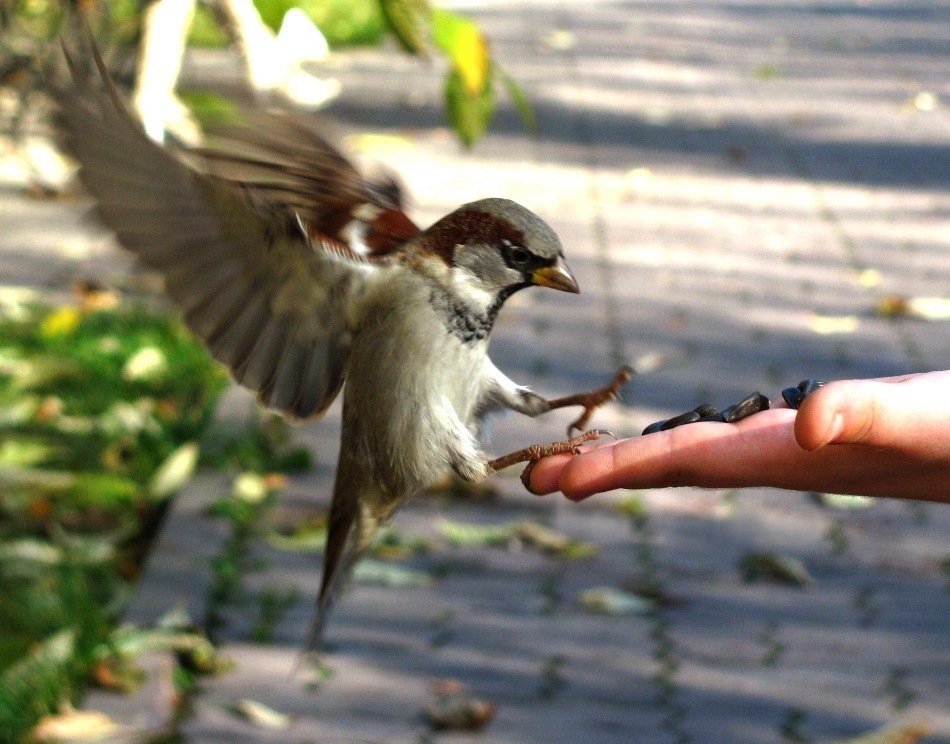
column 466, row 224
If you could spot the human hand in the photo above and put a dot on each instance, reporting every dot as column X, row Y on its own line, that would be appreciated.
column 882, row 437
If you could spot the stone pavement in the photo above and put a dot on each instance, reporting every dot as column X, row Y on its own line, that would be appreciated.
column 738, row 185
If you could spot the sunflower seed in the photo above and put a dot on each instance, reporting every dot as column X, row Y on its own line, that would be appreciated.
column 747, row 406
column 690, row 417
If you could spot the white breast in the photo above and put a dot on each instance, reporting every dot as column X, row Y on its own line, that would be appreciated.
column 412, row 388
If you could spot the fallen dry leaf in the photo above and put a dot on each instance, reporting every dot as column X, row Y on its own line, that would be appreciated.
column 826, row 325
column 454, row 710
column 74, row 726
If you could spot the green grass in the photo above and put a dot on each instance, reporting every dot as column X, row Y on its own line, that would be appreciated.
column 100, row 415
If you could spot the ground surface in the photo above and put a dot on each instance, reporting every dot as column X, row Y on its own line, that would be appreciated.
column 737, row 185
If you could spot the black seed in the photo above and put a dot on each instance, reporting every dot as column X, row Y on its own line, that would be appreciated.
column 653, row 428
column 706, row 410
column 727, row 412
column 716, row 417
column 690, row 417
column 809, row 386
column 747, row 406
column 793, row 396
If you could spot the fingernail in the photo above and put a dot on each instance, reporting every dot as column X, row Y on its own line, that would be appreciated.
column 834, row 431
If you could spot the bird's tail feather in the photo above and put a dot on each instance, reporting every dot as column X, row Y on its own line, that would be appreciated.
column 351, row 530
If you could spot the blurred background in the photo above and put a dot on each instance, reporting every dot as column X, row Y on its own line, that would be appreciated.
column 750, row 193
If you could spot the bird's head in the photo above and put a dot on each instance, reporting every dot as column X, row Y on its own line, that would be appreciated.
column 495, row 247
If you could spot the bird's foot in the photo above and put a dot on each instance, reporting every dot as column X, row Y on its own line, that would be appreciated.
column 535, row 452
column 594, row 399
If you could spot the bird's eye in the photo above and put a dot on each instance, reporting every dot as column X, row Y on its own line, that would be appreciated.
column 518, row 256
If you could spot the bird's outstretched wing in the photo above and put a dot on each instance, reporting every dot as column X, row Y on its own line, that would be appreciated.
column 250, row 266
column 284, row 161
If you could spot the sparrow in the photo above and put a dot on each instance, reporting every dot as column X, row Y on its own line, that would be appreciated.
column 299, row 274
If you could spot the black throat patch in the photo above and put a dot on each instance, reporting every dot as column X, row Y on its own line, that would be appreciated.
column 464, row 322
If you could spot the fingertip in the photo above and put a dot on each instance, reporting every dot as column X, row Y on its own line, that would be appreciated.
column 841, row 412
column 582, row 476
column 545, row 475
column 817, row 426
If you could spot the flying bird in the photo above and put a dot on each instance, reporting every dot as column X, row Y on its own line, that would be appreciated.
column 299, row 274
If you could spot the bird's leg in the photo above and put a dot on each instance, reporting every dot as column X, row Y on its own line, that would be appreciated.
column 593, row 399
column 535, row 452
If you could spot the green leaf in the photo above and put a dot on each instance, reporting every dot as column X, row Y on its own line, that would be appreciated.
column 606, row 600
column 32, row 686
column 461, row 534
column 378, row 573
column 544, row 538
column 24, row 452
column 272, row 11
column 205, row 29
column 520, row 100
column 469, row 113
column 408, row 20
column 104, row 489
column 210, row 109
column 778, row 568
column 463, row 42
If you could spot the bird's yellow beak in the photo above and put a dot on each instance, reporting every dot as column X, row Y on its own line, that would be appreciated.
column 557, row 276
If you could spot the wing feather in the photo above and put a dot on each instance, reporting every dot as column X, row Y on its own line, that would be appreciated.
column 268, row 303
column 286, row 163
column 258, row 367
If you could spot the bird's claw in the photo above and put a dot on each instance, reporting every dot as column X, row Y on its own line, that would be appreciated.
column 536, row 451
column 571, row 446
column 526, row 477
column 596, row 398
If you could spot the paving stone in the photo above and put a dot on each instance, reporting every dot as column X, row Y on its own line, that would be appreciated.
column 723, row 176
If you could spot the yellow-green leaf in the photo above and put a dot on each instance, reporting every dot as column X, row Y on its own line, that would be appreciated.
column 468, row 113
column 60, row 322
column 520, row 100
column 464, row 44
column 408, row 20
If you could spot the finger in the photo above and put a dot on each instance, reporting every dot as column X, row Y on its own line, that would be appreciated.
column 754, row 451
column 826, row 413
column 547, row 473
column 902, row 413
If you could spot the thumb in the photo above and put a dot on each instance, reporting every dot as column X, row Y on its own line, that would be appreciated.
column 833, row 413
column 874, row 413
